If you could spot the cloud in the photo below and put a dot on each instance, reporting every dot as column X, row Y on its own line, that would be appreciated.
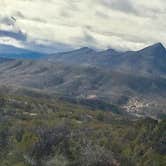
column 121, row 5
column 47, row 46
column 7, row 20
column 16, row 35
column 65, row 24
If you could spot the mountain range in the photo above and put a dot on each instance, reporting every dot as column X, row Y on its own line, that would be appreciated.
column 12, row 52
column 150, row 60
column 132, row 79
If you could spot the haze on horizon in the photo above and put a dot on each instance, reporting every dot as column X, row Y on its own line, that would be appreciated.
column 66, row 24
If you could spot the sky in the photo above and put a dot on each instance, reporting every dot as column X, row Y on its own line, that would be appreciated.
column 60, row 25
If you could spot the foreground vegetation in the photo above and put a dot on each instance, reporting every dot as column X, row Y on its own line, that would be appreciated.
column 55, row 132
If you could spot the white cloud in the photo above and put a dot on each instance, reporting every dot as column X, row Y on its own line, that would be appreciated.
column 10, row 41
column 123, row 24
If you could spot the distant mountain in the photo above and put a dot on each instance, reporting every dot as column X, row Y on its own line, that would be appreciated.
column 84, row 56
column 137, row 78
column 148, row 61
column 11, row 52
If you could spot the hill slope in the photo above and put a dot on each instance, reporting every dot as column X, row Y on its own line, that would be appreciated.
column 85, row 82
column 45, row 132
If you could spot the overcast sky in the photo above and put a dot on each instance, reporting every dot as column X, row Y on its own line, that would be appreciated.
column 66, row 24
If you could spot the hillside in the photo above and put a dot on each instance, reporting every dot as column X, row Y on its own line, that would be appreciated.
column 43, row 131
column 86, row 81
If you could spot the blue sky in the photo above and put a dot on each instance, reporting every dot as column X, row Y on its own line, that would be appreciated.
column 58, row 25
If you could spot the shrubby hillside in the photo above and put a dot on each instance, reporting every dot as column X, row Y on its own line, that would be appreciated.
column 48, row 131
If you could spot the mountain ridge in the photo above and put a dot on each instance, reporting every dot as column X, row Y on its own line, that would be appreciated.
column 147, row 61
column 12, row 52
column 136, row 77
column 8, row 49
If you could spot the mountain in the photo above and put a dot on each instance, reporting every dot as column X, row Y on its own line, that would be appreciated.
column 11, row 52
column 148, row 61
column 83, row 55
column 67, row 113
column 145, row 94
column 135, row 80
